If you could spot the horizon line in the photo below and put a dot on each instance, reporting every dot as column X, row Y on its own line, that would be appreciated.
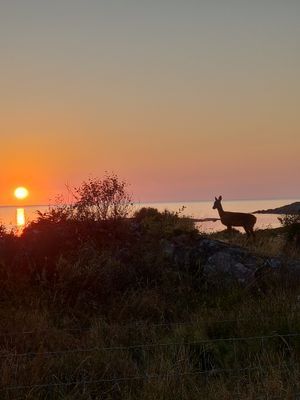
column 154, row 202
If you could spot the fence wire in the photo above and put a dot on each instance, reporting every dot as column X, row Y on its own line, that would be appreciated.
column 206, row 371
column 143, row 324
column 148, row 345
column 147, row 377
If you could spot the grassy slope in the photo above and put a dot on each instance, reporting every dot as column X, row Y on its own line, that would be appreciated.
column 82, row 326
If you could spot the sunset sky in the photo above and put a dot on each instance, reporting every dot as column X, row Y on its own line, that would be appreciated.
column 184, row 99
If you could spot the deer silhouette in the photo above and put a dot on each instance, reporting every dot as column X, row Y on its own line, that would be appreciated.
column 230, row 219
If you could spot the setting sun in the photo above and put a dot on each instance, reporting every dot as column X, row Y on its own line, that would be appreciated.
column 21, row 193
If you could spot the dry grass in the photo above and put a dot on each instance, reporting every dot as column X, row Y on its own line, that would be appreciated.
column 184, row 368
column 103, row 314
column 268, row 242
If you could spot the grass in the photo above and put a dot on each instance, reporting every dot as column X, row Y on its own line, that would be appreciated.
column 184, row 368
column 97, row 311
column 268, row 242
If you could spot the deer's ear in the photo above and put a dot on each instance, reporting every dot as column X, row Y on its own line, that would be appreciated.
column 220, row 198
column 216, row 199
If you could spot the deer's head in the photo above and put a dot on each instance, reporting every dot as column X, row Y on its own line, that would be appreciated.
column 217, row 202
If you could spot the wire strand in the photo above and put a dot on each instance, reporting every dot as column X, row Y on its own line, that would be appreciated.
column 146, row 345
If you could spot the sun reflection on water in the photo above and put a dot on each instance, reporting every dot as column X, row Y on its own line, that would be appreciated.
column 21, row 220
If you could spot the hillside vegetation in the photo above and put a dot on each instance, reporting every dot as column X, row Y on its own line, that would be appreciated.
column 95, row 305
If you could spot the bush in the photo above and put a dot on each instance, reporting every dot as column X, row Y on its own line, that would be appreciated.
column 102, row 199
column 291, row 223
column 289, row 219
column 163, row 224
column 3, row 231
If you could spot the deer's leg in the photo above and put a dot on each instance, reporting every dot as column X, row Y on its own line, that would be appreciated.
column 250, row 232
column 247, row 230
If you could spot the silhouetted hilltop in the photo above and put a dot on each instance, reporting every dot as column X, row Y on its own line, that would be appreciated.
column 293, row 208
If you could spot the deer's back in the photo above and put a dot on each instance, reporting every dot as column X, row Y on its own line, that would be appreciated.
column 238, row 219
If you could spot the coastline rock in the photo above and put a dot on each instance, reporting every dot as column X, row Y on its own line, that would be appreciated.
column 225, row 263
column 212, row 258
column 293, row 208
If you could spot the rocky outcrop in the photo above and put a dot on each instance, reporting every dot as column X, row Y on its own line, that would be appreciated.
column 213, row 258
column 293, row 208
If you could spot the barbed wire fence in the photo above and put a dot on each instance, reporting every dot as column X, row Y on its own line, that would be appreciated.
column 288, row 342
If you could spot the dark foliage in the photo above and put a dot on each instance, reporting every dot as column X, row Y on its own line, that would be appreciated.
column 291, row 224
column 113, row 278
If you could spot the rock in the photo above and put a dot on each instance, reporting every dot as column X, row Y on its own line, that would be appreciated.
column 210, row 258
column 294, row 266
column 293, row 208
column 226, row 263
column 273, row 263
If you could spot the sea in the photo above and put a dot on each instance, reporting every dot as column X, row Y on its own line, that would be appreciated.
column 17, row 217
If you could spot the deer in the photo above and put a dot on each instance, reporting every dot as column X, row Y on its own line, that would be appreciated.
column 230, row 219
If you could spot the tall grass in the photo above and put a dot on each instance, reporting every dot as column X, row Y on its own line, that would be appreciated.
column 96, row 310
column 268, row 242
column 184, row 359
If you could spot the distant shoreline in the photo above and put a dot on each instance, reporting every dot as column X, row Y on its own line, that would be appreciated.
column 293, row 208
column 183, row 202
column 204, row 219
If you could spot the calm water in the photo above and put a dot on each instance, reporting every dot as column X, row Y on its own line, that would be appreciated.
column 11, row 217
